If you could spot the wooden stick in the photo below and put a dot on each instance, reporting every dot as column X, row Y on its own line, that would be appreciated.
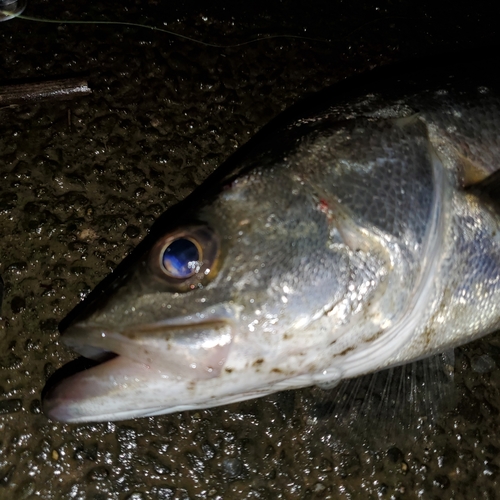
column 66, row 88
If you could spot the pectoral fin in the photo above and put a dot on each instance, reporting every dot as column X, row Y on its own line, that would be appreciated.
column 488, row 188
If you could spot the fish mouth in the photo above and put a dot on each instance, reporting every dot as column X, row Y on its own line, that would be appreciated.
column 131, row 369
column 189, row 350
column 116, row 389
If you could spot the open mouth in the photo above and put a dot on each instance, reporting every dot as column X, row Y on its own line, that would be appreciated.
column 121, row 371
column 189, row 350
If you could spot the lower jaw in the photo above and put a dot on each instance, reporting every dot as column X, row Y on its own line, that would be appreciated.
column 85, row 390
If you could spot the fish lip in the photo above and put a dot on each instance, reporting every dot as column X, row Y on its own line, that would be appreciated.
column 83, row 391
column 194, row 346
column 77, row 336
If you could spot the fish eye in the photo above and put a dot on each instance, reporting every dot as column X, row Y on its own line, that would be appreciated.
column 185, row 258
column 182, row 258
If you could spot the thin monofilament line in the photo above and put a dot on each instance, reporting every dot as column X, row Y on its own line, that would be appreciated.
column 169, row 32
column 194, row 40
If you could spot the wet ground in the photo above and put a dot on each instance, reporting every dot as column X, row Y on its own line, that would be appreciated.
column 83, row 180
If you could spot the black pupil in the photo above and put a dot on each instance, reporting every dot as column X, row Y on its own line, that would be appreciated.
column 181, row 258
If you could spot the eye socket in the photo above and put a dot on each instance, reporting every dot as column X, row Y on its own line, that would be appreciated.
column 182, row 258
column 185, row 258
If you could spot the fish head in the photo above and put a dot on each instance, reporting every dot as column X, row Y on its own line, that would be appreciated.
column 221, row 307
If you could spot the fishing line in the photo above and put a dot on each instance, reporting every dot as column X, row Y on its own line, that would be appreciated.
column 194, row 40
column 172, row 33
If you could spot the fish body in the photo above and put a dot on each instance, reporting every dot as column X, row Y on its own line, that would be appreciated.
column 350, row 236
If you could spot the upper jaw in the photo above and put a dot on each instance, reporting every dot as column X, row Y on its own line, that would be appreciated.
column 193, row 347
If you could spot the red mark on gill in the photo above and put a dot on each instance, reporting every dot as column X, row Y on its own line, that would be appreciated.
column 323, row 206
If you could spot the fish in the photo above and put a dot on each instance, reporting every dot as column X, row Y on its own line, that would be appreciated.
column 358, row 231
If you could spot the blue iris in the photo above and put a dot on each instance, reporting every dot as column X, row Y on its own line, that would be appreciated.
column 181, row 258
